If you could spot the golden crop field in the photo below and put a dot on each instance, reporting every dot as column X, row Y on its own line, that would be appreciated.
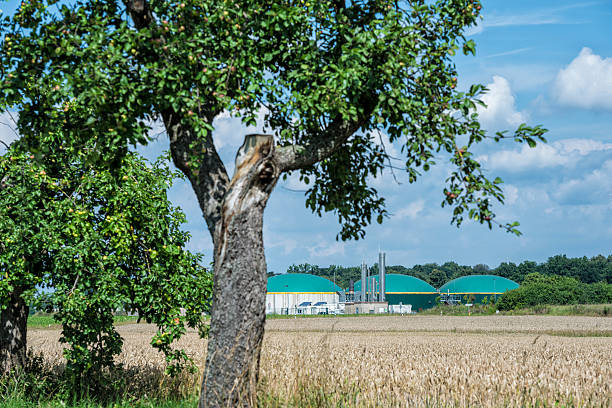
column 483, row 361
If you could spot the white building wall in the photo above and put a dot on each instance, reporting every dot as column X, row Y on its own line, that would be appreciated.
column 279, row 303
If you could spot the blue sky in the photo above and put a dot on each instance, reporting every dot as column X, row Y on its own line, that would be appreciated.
column 545, row 62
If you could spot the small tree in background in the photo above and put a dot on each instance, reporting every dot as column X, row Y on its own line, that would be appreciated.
column 336, row 80
column 437, row 278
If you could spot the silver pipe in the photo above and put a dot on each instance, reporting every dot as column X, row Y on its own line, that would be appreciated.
column 382, row 274
column 364, row 283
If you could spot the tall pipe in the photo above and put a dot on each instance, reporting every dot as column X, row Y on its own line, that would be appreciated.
column 374, row 289
column 381, row 276
column 368, row 286
column 362, row 297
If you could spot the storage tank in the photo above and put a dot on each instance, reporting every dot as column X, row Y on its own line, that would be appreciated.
column 407, row 290
column 301, row 293
column 477, row 286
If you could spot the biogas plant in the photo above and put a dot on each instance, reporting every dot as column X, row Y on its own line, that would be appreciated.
column 305, row 294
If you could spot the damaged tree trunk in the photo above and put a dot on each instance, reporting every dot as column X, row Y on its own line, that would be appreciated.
column 238, row 310
column 13, row 330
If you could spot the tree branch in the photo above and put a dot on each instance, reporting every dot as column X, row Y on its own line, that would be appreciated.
column 295, row 157
column 197, row 158
column 139, row 12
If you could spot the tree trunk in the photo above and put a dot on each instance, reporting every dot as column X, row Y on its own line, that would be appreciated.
column 13, row 327
column 238, row 310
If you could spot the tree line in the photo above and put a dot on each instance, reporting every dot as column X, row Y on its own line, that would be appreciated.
column 581, row 269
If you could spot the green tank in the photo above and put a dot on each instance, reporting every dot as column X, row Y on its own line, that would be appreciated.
column 406, row 290
column 301, row 283
column 477, row 287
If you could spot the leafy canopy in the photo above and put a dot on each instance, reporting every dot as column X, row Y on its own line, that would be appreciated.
column 334, row 79
column 383, row 70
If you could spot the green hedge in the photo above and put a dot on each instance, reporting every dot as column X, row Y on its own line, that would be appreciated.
column 538, row 289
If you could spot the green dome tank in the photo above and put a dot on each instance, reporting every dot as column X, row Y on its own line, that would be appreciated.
column 300, row 283
column 406, row 290
column 478, row 286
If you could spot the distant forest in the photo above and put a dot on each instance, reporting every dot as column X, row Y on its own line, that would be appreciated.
column 585, row 270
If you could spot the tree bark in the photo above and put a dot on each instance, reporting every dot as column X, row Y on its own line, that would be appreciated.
column 13, row 330
column 238, row 310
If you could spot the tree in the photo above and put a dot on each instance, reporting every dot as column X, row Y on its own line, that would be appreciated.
column 525, row 268
column 98, row 242
column 481, row 269
column 335, row 79
column 437, row 278
column 304, row 268
column 508, row 270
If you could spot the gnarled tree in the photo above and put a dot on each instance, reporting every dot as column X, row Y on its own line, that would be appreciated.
column 334, row 79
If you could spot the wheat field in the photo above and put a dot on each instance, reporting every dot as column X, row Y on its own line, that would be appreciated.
column 410, row 361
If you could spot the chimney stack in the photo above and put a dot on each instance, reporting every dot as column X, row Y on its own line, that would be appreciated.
column 382, row 275
column 362, row 296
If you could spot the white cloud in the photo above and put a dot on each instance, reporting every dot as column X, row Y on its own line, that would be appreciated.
column 382, row 139
column 511, row 20
column 542, row 16
column 293, row 182
column 475, row 29
column 593, row 188
column 521, row 20
column 411, row 211
column 274, row 240
column 541, row 156
column 389, row 178
column 524, row 76
column 511, row 193
column 506, row 53
column 534, row 196
column 582, row 147
column 229, row 131
column 325, row 249
column 201, row 242
column 586, row 82
column 8, row 127
column 501, row 108
column 541, row 105
column 158, row 143
column 559, row 153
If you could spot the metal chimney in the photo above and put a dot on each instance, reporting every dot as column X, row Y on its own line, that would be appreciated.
column 367, row 298
column 375, row 288
column 372, row 288
column 364, row 283
column 381, row 275
column 369, row 292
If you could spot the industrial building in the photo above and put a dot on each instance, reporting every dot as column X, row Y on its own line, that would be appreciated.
column 474, row 288
column 404, row 290
column 300, row 293
column 376, row 292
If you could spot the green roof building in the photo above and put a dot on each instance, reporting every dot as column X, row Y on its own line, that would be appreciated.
column 477, row 286
column 300, row 283
column 406, row 290
column 300, row 293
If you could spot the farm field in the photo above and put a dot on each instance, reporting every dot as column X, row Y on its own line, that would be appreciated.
column 485, row 361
